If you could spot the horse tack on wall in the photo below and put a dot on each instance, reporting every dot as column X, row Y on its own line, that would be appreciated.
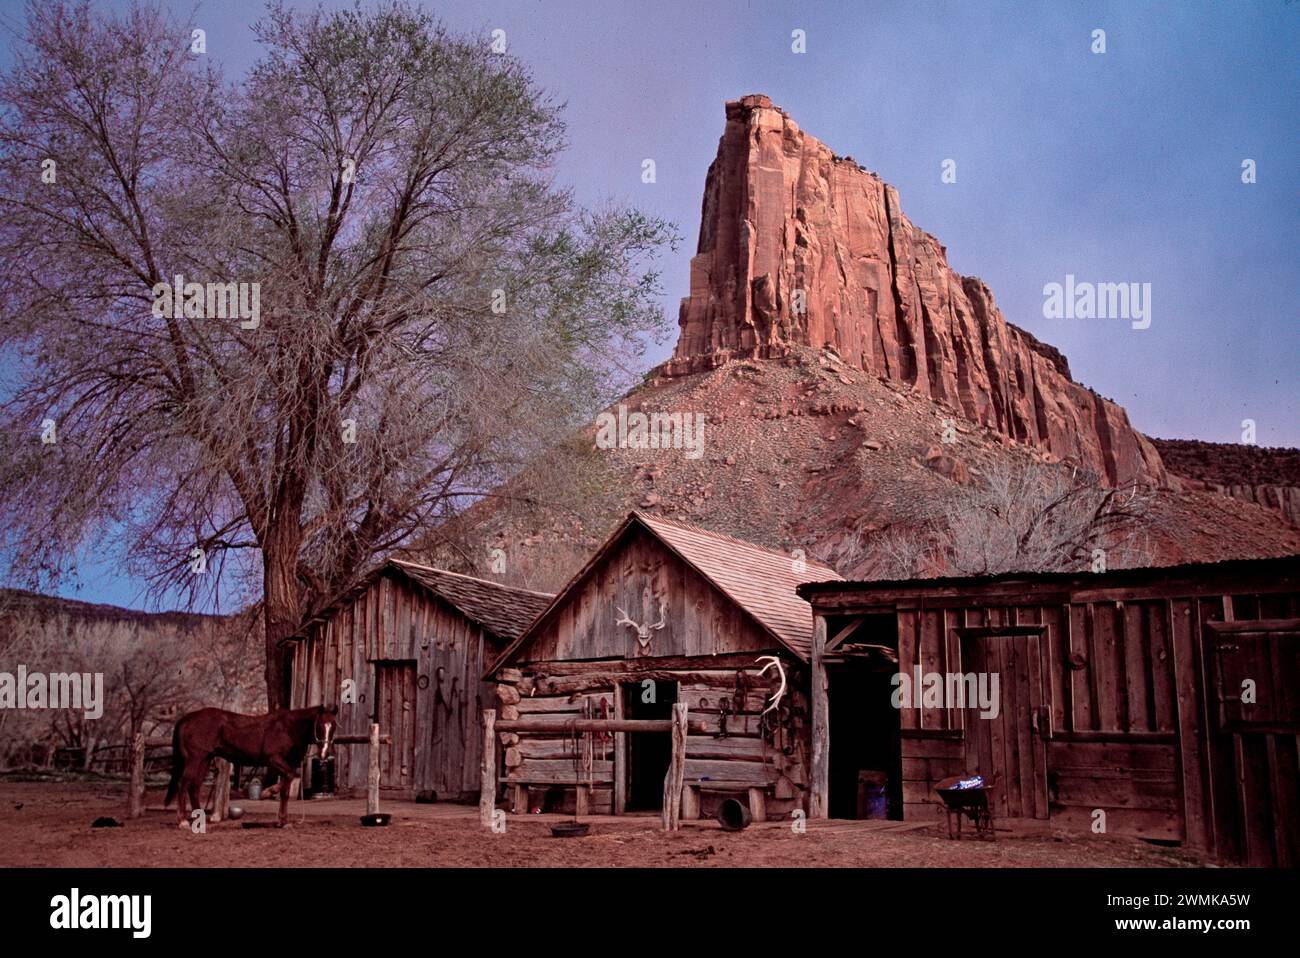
column 665, row 614
column 406, row 649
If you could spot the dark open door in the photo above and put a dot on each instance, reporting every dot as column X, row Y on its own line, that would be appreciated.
column 395, row 713
column 1010, row 746
column 648, row 753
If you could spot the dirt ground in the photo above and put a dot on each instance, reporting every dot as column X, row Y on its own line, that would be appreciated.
column 49, row 824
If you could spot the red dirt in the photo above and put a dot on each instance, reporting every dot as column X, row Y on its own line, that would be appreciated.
column 52, row 828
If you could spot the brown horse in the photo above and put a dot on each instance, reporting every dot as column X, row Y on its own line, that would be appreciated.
column 278, row 740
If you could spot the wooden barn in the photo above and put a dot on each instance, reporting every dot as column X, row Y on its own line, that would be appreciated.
column 1162, row 703
column 407, row 649
column 665, row 613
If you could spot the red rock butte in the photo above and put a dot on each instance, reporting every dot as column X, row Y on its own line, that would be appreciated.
column 801, row 247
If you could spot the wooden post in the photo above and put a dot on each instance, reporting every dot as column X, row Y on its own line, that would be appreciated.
column 135, row 787
column 757, row 805
column 690, row 803
column 487, row 795
column 676, row 771
column 620, row 756
column 372, row 779
column 820, row 777
column 220, row 798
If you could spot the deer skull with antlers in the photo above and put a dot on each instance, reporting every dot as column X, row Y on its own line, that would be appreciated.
column 643, row 631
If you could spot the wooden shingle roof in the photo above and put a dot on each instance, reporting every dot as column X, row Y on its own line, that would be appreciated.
column 761, row 581
column 502, row 610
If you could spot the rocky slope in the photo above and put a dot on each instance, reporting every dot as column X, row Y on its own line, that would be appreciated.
column 804, row 452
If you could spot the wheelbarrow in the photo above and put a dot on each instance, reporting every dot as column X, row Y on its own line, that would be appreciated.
column 967, row 796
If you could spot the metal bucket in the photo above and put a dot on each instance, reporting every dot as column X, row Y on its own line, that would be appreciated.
column 734, row 816
column 322, row 777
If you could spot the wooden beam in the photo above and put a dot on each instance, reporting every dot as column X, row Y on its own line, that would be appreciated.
column 819, row 783
column 358, row 740
column 487, row 794
column 372, row 778
column 676, row 771
column 595, row 725
column 690, row 803
column 998, row 631
column 844, row 633
column 729, row 661
column 620, row 757
column 1255, row 625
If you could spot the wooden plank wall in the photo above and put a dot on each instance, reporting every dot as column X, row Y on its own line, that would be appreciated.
column 395, row 622
column 1106, row 677
column 1251, row 807
column 1132, row 719
column 699, row 619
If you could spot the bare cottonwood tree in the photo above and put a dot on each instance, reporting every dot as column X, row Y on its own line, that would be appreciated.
column 432, row 309
column 1017, row 518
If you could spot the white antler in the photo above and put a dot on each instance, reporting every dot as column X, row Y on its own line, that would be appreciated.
column 771, row 661
column 643, row 631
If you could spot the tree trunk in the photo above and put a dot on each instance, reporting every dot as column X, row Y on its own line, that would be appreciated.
column 281, row 606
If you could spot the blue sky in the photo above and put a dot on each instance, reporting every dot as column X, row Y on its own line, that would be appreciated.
column 1115, row 167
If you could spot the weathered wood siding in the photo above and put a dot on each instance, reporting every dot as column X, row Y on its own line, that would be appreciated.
column 1118, row 712
column 643, row 578
column 395, row 622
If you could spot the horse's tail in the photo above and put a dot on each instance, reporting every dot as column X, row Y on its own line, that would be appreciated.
column 178, row 764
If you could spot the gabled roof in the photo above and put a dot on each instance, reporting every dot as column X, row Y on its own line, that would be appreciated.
column 504, row 611
column 760, row 581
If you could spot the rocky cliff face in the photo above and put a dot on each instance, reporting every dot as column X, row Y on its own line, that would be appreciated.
column 799, row 247
column 1268, row 477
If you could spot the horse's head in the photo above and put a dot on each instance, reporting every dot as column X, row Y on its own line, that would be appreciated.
column 326, row 722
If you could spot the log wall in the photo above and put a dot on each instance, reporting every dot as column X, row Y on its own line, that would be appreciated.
column 735, row 756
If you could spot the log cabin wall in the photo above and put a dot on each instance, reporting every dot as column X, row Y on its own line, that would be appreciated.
column 579, row 662
column 1113, row 698
column 417, row 665
column 738, row 754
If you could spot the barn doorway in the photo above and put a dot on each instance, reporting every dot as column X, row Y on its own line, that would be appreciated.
column 648, row 753
column 866, row 764
column 395, row 713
